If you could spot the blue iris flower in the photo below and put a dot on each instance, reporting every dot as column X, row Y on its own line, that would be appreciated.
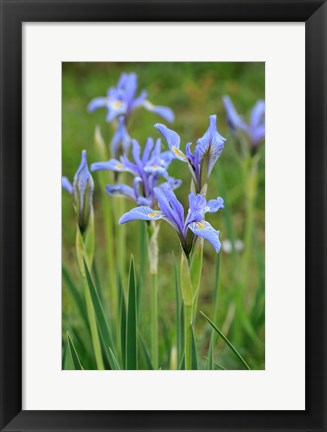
column 122, row 100
column 146, row 169
column 206, row 152
column 172, row 211
column 82, row 189
column 255, row 129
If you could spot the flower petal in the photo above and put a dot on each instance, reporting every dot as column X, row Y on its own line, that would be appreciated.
column 147, row 150
column 205, row 230
column 121, row 190
column 110, row 165
column 165, row 112
column 170, row 205
column 214, row 205
column 210, row 146
column 257, row 114
column 233, row 119
column 141, row 213
column 66, row 184
column 173, row 141
column 96, row 103
column 121, row 138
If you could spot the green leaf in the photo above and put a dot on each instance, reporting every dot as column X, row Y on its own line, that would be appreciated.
column 131, row 327
column 185, row 281
column 101, row 319
column 122, row 316
column 75, row 294
column 146, row 354
column 231, row 346
column 194, row 353
column 196, row 265
column 179, row 312
column 72, row 361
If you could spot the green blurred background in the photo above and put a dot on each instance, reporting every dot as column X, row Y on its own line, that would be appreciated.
column 193, row 91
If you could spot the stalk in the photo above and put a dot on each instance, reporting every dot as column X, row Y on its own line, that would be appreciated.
column 154, row 321
column 188, row 336
column 153, row 230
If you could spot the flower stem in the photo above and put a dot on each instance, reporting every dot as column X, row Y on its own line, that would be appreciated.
column 188, row 336
column 154, row 321
column 153, row 230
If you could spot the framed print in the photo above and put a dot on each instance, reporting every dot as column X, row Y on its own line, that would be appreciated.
column 163, row 215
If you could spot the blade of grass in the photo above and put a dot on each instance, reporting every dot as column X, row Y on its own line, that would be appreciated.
column 122, row 317
column 131, row 327
column 102, row 322
column 194, row 353
column 146, row 354
column 179, row 311
column 72, row 355
column 231, row 346
column 75, row 294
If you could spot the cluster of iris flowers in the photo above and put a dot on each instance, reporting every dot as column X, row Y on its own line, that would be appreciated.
column 151, row 188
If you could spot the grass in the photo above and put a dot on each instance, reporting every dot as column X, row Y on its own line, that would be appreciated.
column 193, row 91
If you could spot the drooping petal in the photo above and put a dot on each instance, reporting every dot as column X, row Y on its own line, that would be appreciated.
column 121, row 190
column 164, row 112
column 110, row 165
column 205, row 230
column 210, row 146
column 66, row 184
column 141, row 213
column 214, row 205
column 257, row 114
column 96, row 103
column 173, row 141
column 233, row 119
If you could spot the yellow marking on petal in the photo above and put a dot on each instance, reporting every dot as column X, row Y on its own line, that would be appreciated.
column 155, row 166
column 119, row 166
column 149, row 105
column 117, row 104
column 206, row 208
column 178, row 152
column 153, row 214
column 200, row 225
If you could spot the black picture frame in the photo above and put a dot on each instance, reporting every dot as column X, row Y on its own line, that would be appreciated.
column 13, row 14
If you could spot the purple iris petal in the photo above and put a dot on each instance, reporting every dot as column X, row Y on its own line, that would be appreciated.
column 96, row 103
column 121, row 190
column 234, row 120
column 111, row 165
column 205, row 230
column 214, row 205
column 164, row 112
column 141, row 213
column 66, row 184
column 121, row 138
column 210, row 146
column 257, row 114
column 173, row 141
column 170, row 205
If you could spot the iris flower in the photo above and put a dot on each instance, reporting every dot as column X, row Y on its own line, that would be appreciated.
column 206, row 152
column 172, row 211
column 82, row 189
column 255, row 129
column 122, row 100
column 146, row 170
